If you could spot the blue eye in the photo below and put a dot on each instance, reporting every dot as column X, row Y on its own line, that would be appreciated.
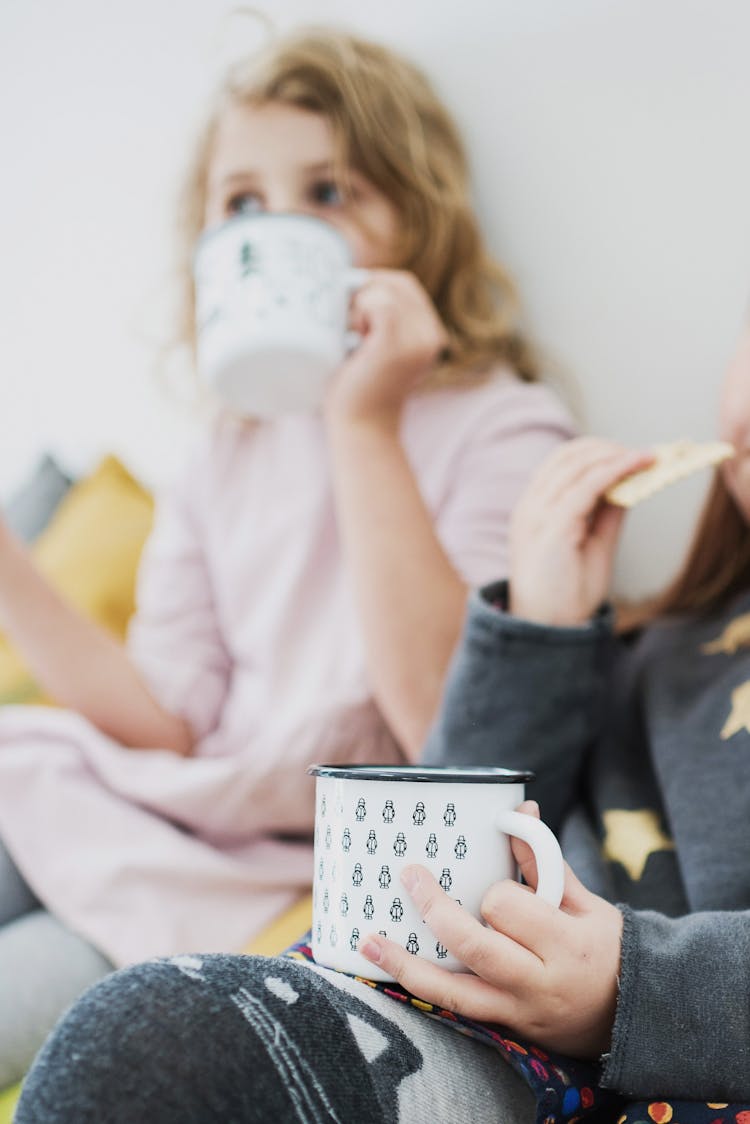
column 327, row 193
column 246, row 203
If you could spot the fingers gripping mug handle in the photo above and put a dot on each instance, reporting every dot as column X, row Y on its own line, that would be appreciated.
column 355, row 279
column 549, row 860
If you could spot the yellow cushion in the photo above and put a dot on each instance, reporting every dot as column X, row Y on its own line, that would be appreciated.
column 8, row 1100
column 282, row 932
column 90, row 553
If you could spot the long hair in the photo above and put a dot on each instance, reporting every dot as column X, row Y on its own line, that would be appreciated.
column 389, row 125
column 716, row 567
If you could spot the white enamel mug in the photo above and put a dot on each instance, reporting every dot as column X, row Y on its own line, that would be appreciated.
column 371, row 821
column 272, row 298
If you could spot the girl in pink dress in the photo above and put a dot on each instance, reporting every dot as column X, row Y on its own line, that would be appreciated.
column 306, row 579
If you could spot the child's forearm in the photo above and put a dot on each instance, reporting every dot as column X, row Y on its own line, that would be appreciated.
column 79, row 664
column 411, row 600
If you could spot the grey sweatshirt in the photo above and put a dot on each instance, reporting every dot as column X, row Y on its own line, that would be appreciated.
column 642, row 756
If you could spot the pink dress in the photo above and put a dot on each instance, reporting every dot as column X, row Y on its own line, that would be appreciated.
column 246, row 625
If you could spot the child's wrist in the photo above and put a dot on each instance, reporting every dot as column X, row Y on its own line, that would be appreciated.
column 382, row 423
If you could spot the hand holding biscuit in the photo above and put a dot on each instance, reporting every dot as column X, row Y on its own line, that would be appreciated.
column 670, row 463
column 564, row 533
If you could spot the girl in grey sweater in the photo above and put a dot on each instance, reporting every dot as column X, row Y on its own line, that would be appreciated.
column 637, row 989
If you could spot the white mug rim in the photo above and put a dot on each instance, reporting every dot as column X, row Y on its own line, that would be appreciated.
column 278, row 217
column 459, row 774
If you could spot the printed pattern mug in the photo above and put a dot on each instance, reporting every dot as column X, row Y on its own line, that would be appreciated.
column 372, row 821
column 272, row 305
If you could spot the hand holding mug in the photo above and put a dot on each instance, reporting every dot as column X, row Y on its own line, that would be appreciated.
column 564, row 534
column 401, row 337
column 373, row 821
column 549, row 974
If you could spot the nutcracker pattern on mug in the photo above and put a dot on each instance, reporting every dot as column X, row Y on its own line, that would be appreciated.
column 360, row 850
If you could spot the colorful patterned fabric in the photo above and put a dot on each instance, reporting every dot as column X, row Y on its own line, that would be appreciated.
column 567, row 1090
column 684, row 1112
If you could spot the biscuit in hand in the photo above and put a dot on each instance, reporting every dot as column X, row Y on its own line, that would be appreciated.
column 673, row 462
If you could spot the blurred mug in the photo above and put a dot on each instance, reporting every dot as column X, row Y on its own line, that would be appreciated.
column 371, row 821
column 272, row 306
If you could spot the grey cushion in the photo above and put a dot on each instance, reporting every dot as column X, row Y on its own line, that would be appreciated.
column 29, row 511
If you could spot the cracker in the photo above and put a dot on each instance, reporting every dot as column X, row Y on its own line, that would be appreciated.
column 673, row 461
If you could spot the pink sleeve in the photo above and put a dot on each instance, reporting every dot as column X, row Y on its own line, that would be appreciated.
column 174, row 636
column 515, row 430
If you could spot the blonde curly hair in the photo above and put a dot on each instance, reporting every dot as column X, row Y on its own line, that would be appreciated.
column 389, row 125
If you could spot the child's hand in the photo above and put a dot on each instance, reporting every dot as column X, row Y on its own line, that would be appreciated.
column 550, row 975
column 402, row 337
column 564, row 534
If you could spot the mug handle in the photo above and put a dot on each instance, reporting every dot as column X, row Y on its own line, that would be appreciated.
column 549, row 861
column 355, row 279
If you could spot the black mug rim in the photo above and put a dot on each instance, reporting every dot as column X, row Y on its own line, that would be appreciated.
column 432, row 774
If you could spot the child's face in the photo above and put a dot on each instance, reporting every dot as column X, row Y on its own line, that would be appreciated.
column 735, row 424
column 278, row 158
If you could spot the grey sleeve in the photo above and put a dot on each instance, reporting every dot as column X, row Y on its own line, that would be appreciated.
column 523, row 696
column 683, row 1016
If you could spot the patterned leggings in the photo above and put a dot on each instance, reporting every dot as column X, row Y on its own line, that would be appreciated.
column 235, row 1039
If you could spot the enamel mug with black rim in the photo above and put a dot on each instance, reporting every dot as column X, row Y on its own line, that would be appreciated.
column 372, row 821
column 272, row 295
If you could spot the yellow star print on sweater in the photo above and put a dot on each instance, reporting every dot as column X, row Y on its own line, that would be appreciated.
column 739, row 716
column 736, row 635
column 631, row 836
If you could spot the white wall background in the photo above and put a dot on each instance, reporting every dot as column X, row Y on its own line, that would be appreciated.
column 610, row 143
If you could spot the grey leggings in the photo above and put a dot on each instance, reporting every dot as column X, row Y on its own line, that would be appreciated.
column 43, row 968
column 248, row 1040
